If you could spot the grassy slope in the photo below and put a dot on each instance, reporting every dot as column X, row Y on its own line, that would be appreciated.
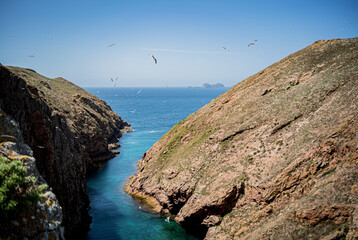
column 250, row 135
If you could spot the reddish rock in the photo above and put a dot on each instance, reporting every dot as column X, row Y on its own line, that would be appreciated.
column 281, row 143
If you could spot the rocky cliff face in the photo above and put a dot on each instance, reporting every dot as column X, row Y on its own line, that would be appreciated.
column 69, row 131
column 275, row 157
column 42, row 220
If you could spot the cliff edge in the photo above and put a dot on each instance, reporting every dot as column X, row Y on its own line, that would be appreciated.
column 69, row 131
column 22, row 215
column 275, row 157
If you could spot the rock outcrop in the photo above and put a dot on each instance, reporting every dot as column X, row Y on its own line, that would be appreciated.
column 275, row 157
column 69, row 131
column 42, row 220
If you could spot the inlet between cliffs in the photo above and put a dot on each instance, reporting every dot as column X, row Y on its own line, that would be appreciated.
column 151, row 112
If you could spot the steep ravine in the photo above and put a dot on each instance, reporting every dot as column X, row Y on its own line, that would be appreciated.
column 275, row 157
column 69, row 131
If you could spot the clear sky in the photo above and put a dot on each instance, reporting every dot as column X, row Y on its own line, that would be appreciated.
column 71, row 38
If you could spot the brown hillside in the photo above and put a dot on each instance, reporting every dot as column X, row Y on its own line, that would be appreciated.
column 275, row 157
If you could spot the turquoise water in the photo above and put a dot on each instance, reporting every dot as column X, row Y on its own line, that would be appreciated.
column 151, row 112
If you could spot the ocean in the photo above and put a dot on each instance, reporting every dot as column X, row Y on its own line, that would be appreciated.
column 151, row 112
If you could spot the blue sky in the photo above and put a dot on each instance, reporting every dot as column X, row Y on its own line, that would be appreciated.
column 71, row 38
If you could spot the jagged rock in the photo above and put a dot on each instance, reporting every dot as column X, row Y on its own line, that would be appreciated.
column 279, row 164
column 43, row 218
column 69, row 131
column 211, row 220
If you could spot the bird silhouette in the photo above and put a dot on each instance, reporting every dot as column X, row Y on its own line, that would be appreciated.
column 111, row 45
column 226, row 49
column 155, row 60
column 252, row 43
column 167, row 219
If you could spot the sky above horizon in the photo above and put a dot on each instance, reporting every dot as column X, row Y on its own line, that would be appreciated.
column 73, row 39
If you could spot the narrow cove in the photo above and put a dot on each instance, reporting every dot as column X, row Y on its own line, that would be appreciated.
column 151, row 112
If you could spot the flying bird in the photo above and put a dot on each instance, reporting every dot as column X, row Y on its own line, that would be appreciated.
column 253, row 43
column 133, row 111
column 111, row 45
column 116, row 78
column 167, row 219
column 31, row 56
column 139, row 91
column 112, row 79
column 155, row 60
column 225, row 49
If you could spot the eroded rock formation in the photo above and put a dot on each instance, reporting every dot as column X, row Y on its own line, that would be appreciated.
column 275, row 157
column 69, row 131
column 43, row 219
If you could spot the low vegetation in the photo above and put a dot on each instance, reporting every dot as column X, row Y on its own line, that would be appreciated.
column 17, row 191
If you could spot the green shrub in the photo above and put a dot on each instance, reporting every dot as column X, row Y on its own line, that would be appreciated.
column 17, row 191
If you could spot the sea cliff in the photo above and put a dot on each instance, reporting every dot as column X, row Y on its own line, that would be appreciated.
column 40, row 219
column 69, row 131
column 275, row 157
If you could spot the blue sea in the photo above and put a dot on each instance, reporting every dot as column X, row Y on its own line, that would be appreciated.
column 151, row 112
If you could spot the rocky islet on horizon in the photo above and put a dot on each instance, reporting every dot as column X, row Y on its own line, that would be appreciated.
column 69, row 130
column 274, row 157
column 216, row 85
column 207, row 85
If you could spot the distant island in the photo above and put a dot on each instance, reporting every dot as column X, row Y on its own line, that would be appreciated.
column 217, row 85
column 207, row 85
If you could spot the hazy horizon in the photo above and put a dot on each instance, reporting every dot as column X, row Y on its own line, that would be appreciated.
column 194, row 42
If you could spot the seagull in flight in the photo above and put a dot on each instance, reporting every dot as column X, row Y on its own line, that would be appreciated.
column 155, row 60
column 112, row 79
column 111, row 45
column 252, row 43
column 226, row 49
column 139, row 91
column 31, row 56
column 167, row 219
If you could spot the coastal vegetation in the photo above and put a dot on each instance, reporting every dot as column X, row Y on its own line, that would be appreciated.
column 17, row 190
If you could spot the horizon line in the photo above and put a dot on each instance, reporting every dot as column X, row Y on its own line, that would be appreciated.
column 182, row 51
